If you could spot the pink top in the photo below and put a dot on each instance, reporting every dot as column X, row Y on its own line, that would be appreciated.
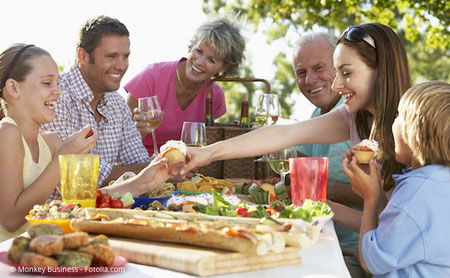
column 160, row 79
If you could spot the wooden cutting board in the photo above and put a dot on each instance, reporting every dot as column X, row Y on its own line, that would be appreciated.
column 197, row 260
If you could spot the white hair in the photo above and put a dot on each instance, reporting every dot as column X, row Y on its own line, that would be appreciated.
column 312, row 36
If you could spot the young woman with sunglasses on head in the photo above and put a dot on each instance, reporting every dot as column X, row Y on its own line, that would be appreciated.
column 372, row 74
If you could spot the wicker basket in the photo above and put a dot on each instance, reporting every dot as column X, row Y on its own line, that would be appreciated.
column 234, row 168
column 215, row 169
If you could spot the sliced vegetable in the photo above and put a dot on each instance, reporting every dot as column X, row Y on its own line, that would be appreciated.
column 268, row 187
column 280, row 191
column 127, row 199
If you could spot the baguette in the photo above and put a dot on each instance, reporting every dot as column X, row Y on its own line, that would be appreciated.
column 215, row 234
column 296, row 233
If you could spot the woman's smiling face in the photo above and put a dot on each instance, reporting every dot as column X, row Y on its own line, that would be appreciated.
column 354, row 80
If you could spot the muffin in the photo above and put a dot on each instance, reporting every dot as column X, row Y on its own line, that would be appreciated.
column 365, row 151
column 175, row 152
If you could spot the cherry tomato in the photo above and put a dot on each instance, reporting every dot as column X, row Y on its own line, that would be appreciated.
column 89, row 134
column 271, row 211
column 105, row 199
column 116, row 203
column 104, row 205
column 99, row 196
column 242, row 212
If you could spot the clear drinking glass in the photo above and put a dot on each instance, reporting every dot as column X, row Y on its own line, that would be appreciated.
column 194, row 134
column 279, row 162
column 152, row 113
column 79, row 176
column 267, row 111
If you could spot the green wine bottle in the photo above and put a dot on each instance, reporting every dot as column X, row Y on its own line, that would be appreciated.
column 209, row 117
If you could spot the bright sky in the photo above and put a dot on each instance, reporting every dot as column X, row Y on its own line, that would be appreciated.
column 160, row 30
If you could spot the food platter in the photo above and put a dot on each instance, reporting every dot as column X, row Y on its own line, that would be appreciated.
column 118, row 266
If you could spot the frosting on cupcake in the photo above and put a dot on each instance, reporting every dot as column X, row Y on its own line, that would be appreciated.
column 366, row 145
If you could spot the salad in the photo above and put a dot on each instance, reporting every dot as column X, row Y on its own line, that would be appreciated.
column 57, row 210
column 277, row 209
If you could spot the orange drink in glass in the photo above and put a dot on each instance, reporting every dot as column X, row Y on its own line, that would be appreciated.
column 79, row 176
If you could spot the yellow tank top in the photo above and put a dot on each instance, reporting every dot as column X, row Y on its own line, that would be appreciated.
column 31, row 170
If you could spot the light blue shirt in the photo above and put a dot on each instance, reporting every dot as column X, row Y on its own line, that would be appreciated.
column 334, row 152
column 413, row 235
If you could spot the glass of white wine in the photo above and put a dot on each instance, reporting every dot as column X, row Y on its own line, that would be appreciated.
column 279, row 161
column 194, row 134
column 153, row 115
column 267, row 111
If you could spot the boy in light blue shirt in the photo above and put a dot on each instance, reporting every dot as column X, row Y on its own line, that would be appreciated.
column 412, row 236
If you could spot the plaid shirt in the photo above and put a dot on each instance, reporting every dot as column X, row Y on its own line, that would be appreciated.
column 119, row 141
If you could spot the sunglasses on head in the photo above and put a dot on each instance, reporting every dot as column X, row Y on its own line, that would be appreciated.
column 356, row 34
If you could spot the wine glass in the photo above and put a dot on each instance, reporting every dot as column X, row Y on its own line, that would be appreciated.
column 153, row 115
column 279, row 161
column 274, row 109
column 267, row 111
column 194, row 134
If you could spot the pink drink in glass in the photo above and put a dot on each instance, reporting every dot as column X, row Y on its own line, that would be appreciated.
column 308, row 179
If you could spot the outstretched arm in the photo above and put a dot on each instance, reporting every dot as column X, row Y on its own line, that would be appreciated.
column 326, row 129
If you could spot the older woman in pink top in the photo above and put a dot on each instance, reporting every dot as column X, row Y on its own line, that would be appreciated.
column 217, row 49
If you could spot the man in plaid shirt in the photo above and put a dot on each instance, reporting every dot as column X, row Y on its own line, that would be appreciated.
column 90, row 97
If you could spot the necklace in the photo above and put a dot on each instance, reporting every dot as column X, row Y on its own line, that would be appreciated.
column 182, row 87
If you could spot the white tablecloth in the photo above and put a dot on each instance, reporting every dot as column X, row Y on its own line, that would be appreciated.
column 323, row 259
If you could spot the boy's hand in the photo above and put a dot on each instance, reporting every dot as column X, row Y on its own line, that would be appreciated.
column 366, row 185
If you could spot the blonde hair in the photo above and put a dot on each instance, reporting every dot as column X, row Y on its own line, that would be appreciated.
column 425, row 111
column 226, row 38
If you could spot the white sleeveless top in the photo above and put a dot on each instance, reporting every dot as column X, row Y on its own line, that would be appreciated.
column 31, row 171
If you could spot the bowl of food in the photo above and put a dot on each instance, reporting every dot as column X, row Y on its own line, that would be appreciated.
column 56, row 212
column 63, row 224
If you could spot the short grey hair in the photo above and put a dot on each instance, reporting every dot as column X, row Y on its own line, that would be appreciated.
column 312, row 36
column 226, row 38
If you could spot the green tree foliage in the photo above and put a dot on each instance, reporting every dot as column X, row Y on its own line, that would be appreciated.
column 429, row 18
column 422, row 25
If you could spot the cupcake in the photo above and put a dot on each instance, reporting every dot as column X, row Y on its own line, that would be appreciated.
column 365, row 151
column 175, row 151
